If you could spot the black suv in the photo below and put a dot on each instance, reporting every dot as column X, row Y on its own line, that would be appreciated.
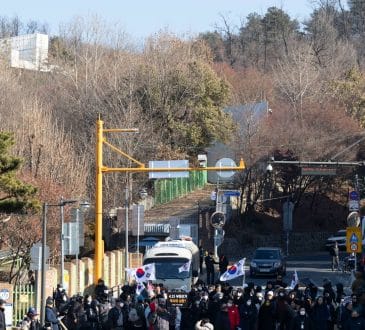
column 268, row 261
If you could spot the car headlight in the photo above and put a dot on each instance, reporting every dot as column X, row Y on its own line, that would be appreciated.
column 277, row 264
column 253, row 264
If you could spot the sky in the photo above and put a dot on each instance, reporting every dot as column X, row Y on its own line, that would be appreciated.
column 141, row 18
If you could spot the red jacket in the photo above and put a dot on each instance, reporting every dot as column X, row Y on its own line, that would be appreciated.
column 234, row 317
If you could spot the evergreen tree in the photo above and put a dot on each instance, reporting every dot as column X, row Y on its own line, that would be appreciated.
column 15, row 195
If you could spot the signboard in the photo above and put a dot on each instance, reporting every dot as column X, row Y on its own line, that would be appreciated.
column 137, row 219
column 36, row 257
column 354, row 201
column 232, row 193
column 168, row 164
column 71, row 238
column 178, row 298
column 317, row 171
column 354, row 205
column 8, row 314
column 77, row 216
column 288, row 208
column 353, row 240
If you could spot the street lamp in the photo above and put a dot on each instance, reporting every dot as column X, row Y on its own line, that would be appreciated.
column 62, row 203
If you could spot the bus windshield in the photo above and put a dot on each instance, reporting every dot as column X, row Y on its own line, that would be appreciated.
column 169, row 267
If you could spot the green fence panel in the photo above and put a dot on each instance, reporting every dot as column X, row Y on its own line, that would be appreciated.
column 168, row 189
column 23, row 298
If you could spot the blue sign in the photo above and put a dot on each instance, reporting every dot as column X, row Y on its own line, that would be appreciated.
column 232, row 193
column 354, row 196
column 354, row 238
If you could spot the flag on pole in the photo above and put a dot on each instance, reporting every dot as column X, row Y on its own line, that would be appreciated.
column 140, row 287
column 294, row 280
column 144, row 273
column 185, row 267
column 234, row 271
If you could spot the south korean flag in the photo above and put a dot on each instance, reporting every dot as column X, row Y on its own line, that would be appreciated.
column 185, row 267
column 234, row 271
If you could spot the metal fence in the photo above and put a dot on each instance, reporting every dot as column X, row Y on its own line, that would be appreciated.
column 23, row 298
column 168, row 189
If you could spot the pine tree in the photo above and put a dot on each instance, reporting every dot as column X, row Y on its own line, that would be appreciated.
column 15, row 195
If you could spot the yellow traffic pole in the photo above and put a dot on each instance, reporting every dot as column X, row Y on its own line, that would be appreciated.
column 98, row 257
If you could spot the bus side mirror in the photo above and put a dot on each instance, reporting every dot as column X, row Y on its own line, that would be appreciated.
column 195, row 273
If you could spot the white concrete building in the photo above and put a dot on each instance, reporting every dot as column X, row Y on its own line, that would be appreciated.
column 27, row 51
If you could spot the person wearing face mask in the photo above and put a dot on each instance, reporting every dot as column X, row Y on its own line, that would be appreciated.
column 320, row 314
column 248, row 315
column 233, row 314
column 101, row 291
column 258, row 300
column 301, row 321
column 204, row 306
column 60, row 298
column 327, row 299
column 355, row 322
column 343, row 314
column 214, row 306
column 284, row 312
column 238, row 298
column 89, row 320
column 266, row 316
column 163, row 315
column 116, row 318
column 222, row 318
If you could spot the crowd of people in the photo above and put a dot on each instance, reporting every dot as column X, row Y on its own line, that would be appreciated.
column 209, row 306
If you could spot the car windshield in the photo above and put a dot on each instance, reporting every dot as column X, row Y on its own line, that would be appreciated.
column 169, row 267
column 266, row 254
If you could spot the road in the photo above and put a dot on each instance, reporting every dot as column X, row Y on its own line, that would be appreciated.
column 316, row 266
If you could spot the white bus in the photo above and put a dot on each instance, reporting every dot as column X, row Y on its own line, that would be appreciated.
column 168, row 257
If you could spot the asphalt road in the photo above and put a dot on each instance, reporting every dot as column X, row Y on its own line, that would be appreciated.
column 316, row 266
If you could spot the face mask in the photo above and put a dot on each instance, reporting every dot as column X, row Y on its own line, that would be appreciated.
column 89, row 301
column 248, row 303
column 205, row 297
column 60, row 289
column 121, row 304
column 302, row 312
column 229, row 304
column 199, row 288
column 197, row 303
column 239, row 294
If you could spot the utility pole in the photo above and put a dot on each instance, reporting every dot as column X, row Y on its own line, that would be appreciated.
column 138, row 168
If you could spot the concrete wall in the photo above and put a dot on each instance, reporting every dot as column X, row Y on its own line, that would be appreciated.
column 80, row 274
